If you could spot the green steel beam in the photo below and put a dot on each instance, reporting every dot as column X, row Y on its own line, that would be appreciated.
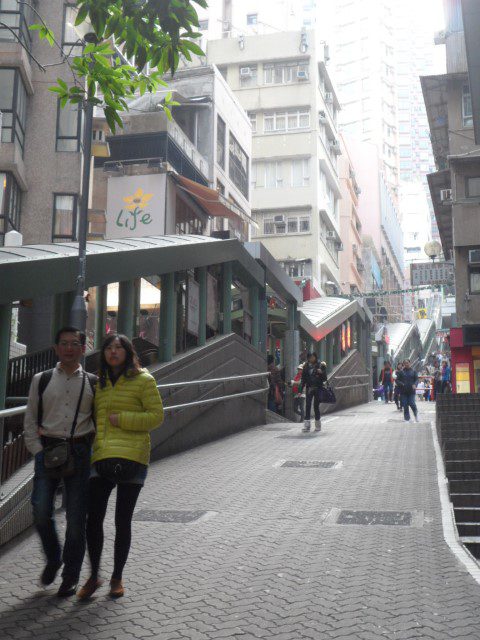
column 126, row 304
column 227, row 298
column 168, row 312
column 202, row 281
column 100, row 314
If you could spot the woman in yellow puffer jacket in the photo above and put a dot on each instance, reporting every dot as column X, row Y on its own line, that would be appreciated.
column 127, row 407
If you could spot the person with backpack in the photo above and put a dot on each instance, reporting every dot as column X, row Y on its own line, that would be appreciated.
column 407, row 380
column 59, row 431
column 386, row 378
column 314, row 376
column 127, row 407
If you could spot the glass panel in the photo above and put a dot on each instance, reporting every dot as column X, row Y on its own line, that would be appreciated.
column 21, row 103
column 268, row 74
column 292, row 225
column 268, row 123
column 280, row 122
column 270, row 175
column 68, row 121
column 268, row 227
column 304, row 120
column 297, row 173
column 3, row 188
column 64, row 218
column 7, row 77
column 473, row 187
column 292, row 121
column 305, row 224
column 475, row 281
column 278, row 75
column 221, row 142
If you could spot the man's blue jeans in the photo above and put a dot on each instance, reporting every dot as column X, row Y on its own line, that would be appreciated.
column 43, row 502
column 387, row 391
column 408, row 401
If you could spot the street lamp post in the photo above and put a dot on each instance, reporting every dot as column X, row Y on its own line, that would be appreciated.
column 78, row 313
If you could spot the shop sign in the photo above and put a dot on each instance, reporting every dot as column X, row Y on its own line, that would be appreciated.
column 435, row 273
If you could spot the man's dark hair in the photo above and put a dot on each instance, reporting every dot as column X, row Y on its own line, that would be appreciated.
column 270, row 359
column 81, row 335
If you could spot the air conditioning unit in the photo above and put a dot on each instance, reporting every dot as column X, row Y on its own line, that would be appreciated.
column 246, row 72
column 439, row 37
column 354, row 248
column 339, row 245
column 335, row 147
column 328, row 96
column 302, row 74
column 322, row 117
column 445, row 195
column 474, row 256
column 279, row 219
column 330, row 235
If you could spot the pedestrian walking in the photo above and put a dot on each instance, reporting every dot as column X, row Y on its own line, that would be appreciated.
column 314, row 376
column 386, row 378
column 397, row 389
column 408, row 380
column 298, row 397
column 437, row 383
column 446, row 377
column 127, row 407
column 59, row 431
column 275, row 386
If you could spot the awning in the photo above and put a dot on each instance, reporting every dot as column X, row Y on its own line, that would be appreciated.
column 212, row 202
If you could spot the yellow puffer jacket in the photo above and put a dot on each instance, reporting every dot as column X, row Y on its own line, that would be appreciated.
column 137, row 402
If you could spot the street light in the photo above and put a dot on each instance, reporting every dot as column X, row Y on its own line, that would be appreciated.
column 79, row 312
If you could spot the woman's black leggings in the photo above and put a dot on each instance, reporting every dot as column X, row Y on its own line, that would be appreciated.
column 99, row 491
column 313, row 395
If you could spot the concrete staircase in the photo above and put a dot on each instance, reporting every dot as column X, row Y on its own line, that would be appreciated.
column 458, row 427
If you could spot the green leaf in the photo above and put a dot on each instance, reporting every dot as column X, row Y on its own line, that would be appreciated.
column 81, row 15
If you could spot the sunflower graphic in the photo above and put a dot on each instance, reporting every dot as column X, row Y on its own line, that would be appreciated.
column 139, row 199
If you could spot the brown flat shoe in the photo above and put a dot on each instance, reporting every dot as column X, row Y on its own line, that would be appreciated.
column 89, row 588
column 116, row 588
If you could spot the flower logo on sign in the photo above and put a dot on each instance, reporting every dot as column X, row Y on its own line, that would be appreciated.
column 139, row 199
column 133, row 216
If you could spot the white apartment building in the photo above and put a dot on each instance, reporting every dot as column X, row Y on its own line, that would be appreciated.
column 281, row 80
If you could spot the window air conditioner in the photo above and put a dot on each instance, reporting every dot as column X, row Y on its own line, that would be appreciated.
column 354, row 248
column 322, row 117
column 335, row 147
column 302, row 74
column 330, row 235
column 474, row 256
column 278, row 219
column 245, row 72
column 328, row 96
column 445, row 195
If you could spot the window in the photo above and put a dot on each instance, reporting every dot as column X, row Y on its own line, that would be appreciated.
column 474, row 277
column 13, row 105
column 286, row 120
column 285, row 224
column 220, row 187
column 71, row 43
column 301, row 172
column 467, row 117
column 64, row 216
column 472, row 187
column 202, row 25
column 68, row 127
column 221, row 141
column 248, row 76
column 238, row 166
column 10, row 203
column 252, row 18
column 252, row 116
column 285, row 72
column 17, row 16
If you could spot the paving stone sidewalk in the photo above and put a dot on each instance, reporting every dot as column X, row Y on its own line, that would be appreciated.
column 267, row 559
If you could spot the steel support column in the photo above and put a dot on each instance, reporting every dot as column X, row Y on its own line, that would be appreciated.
column 255, row 311
column 100, row 314
column 126, row 305
column 168, row 311
column 227, row 298
column 202, row 282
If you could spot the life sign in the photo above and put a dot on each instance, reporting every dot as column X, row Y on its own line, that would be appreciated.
column 136, row 206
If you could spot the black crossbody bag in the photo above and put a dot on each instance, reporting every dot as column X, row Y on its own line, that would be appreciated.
column 58, row 457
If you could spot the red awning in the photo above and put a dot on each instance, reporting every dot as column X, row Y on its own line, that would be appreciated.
column 212, row 202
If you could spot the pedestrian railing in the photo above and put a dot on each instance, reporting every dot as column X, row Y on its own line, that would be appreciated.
column 15, row 453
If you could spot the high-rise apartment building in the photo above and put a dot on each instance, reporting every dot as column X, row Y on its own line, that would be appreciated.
column 40, row 155
column 282, row 81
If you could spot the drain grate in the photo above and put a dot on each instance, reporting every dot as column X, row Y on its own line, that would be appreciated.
column 372, row 518
column 182, row 517
column 309, row 464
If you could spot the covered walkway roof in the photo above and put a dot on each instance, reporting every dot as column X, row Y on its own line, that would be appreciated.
column 321, row 316
column 42, row 270
column 399, row 332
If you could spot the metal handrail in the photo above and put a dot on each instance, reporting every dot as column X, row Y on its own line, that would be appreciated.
column 15, row 411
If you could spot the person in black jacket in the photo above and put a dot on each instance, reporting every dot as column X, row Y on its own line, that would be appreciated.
column 314, row 376
column 407, row 380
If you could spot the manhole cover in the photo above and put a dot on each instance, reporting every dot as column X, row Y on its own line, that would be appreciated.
column 387, row 518
column 151, row 515
column 309, row 464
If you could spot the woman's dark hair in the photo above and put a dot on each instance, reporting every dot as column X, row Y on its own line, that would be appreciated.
column 132, row 364
column 270, row 359
column 309, row 355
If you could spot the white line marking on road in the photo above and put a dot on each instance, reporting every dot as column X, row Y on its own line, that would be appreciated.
column 448, row 519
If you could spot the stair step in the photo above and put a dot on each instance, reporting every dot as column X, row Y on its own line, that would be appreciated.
column 464, row 475
column 465, row 486
column 465, row 499
column 467, row 514
column 468, row 529
column 461, row 455
column 462, row 466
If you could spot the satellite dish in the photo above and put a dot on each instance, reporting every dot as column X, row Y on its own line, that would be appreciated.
column 433, row 249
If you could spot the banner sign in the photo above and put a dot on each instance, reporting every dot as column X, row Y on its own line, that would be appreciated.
column 193, row 307
column 432, row 273
column 136, row 206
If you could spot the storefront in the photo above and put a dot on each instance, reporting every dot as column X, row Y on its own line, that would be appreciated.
column 465, row 363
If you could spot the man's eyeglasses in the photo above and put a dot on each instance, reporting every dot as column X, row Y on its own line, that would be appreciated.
column 75, row 344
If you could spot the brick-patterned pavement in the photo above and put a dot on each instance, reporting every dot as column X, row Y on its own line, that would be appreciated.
column 268, row 560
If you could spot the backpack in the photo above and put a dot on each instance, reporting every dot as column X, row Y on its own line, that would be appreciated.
column 43, row 384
